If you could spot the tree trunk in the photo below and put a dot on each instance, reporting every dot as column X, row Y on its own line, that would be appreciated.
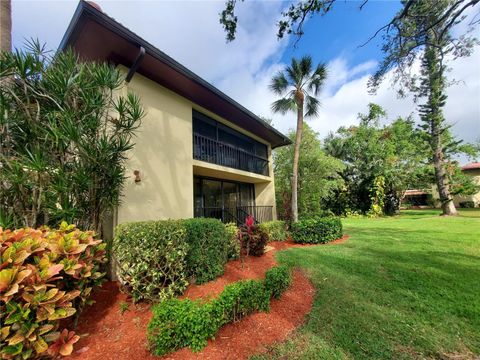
column 296, row 156
column 434, row 85
column 5, row 25
column 441, row 176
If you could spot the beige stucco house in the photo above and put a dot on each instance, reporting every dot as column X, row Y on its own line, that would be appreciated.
column 473, row 170
column 420, row 197
column 198, row 152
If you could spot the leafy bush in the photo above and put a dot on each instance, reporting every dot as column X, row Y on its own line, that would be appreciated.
column 233, row 243
column 318, row 213
column 276, row 230
column 317, row 230
column 65, row 140
column 150, row 258
column 179, row 323
column 252, row 238
column 277, row 280
column 242, row 298
column 209, row 244
column 467, row 204
column 46, row 275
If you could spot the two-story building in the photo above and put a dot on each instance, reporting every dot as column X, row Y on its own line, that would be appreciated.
column 197, row 152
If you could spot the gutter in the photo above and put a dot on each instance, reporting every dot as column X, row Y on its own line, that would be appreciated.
column 136, row 64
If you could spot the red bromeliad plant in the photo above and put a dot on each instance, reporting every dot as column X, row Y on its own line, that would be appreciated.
column 252, row 238
column 46, row 275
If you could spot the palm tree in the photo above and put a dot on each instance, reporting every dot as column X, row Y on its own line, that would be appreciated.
column 299, row 85
column 5, row 25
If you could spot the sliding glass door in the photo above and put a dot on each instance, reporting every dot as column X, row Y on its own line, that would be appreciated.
column 222, row 199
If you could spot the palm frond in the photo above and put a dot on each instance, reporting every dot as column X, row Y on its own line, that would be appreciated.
column 294, row 73
column 305, row 65
column 284, row 105
column 311, row 105
column 279, row 83
column 318, row 79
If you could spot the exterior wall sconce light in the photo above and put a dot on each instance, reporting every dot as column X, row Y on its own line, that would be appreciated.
column 137, row 176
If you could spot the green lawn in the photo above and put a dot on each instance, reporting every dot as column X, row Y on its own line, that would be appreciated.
column 406, row 287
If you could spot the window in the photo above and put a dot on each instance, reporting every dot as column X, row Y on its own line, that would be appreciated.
column 209, row 128
column 222, row 199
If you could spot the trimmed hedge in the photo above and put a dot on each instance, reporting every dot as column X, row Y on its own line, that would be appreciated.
column 209, row 244
column 46, row 275
column 151, row 258
column 276, row 230
column 277, row 280
column 240, row 299
column 318, row 230
column 180, row 323
column 155, row 258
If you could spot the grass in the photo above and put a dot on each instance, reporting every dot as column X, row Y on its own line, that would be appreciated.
column 406, row 287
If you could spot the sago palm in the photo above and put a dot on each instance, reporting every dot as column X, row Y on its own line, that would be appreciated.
column 299, row 85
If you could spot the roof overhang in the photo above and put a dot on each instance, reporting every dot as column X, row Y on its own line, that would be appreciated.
column 94, row 36
column 471, row 166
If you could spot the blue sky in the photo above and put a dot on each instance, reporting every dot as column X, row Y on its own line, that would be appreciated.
column 189, row 31
column 343, row 30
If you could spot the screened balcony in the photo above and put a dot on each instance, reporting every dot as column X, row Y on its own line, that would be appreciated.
column 228, row 201
column 218, row 144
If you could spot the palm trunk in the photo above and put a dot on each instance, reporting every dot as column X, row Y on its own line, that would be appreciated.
column 5, row 25
column 296, row 156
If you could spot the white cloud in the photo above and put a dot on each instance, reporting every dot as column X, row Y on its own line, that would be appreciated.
column 189, row 31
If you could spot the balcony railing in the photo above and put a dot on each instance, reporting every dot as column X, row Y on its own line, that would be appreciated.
column 216, row 152
column 236, row 214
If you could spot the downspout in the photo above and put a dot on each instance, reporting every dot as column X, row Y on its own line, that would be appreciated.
column 136, row 64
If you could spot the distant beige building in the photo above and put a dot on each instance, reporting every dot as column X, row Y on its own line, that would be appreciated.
column 473, row 170
column 198, row 153
column 429, row 197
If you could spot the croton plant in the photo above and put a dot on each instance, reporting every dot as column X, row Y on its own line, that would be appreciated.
column 46, row 275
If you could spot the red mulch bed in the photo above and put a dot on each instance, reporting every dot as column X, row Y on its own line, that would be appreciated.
column 107, row 334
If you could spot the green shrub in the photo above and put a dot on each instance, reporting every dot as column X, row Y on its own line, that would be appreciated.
column 277, row 280
column 46, row 275
column 233, row 243
column 242, row 298
column 467, row 204
column 151, row 258
column 319, row 213
column 276, row 230
column 209, row 244
column 180, row 323
column 318, row 230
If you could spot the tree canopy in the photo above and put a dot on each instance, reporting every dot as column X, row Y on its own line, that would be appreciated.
column 395, row 152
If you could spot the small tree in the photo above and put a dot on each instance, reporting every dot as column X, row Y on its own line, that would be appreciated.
column 319, row 175
column 64, row 138
column 299, row 85
column 396, row 153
